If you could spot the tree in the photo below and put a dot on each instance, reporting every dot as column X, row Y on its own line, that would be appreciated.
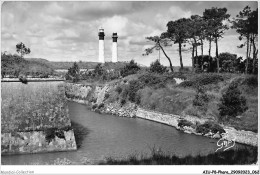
column 227, row 62
column 246, row 24
column 129, row 68
column 232, row 103
column 199, row 27
column 253, row 21
column 202, row 33
column 98, row 71
column 205, row 63
column 209, row 33
column 159, row 43
column 177, row 32
column 195, row 28
column 157, row 67
column 22, row 49
column 73, row 73
column 215, row 18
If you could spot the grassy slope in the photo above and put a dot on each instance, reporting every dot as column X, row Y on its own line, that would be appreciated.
column 177, row 99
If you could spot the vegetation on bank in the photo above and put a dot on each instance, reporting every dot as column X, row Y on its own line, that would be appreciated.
column 230, row 157
column 223, row 98
column 245, row 156
column 33, row 108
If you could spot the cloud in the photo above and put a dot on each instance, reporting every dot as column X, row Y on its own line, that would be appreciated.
column 177, row 12
column 82, row 11
column 173, row 13
column 8, row 36
column 115, row 24
column 68, row 30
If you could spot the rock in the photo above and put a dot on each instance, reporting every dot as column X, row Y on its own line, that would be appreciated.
column 208, row 134
column 216, row 136
column 188, row 132
column 132, row 115
column 239, row 116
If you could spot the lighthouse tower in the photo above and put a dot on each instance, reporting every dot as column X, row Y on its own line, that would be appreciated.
column 101, row 56
column 114, row 47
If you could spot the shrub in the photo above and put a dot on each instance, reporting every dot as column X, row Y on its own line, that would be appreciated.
column 201, row 98
column 94, row 106
column 186, row 84
column 156, row 67
column 93, row 100
column 98, row 71
column 153, row 80
column 178, row 75
column 130, row 68
column 209, row 126
column 60, row 134
column 138, row 98
column 183, row 122
column 122, row 102
column 125, row 92
column 118, row 89
column 50, row 134
column 217, row 128
column 202, row 80
column 232, row 103
column 205, row 79
column 201, row 129
column 251, row 81
column 101, row 105
column 134, row 86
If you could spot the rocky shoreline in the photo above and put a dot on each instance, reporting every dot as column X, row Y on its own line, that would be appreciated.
column 132, row 110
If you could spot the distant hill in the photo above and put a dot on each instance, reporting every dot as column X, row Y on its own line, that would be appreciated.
column 67, row 65
column 88, row 65
column 82, row 64
column 13, row 66
column 41, row 60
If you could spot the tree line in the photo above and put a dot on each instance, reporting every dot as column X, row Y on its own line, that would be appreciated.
column 211, row 27
column 14, row 66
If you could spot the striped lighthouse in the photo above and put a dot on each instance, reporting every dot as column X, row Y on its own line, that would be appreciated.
column 101, row 54
column 114, row 47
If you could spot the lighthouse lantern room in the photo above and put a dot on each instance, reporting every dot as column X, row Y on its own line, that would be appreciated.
column 114, row 47
column 101, row 55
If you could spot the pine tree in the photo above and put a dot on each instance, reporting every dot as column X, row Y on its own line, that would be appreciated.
column 232, row 102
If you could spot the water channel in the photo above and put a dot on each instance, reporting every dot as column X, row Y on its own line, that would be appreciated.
column 113, row 136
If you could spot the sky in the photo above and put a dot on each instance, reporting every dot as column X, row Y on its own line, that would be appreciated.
column 68, row 31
